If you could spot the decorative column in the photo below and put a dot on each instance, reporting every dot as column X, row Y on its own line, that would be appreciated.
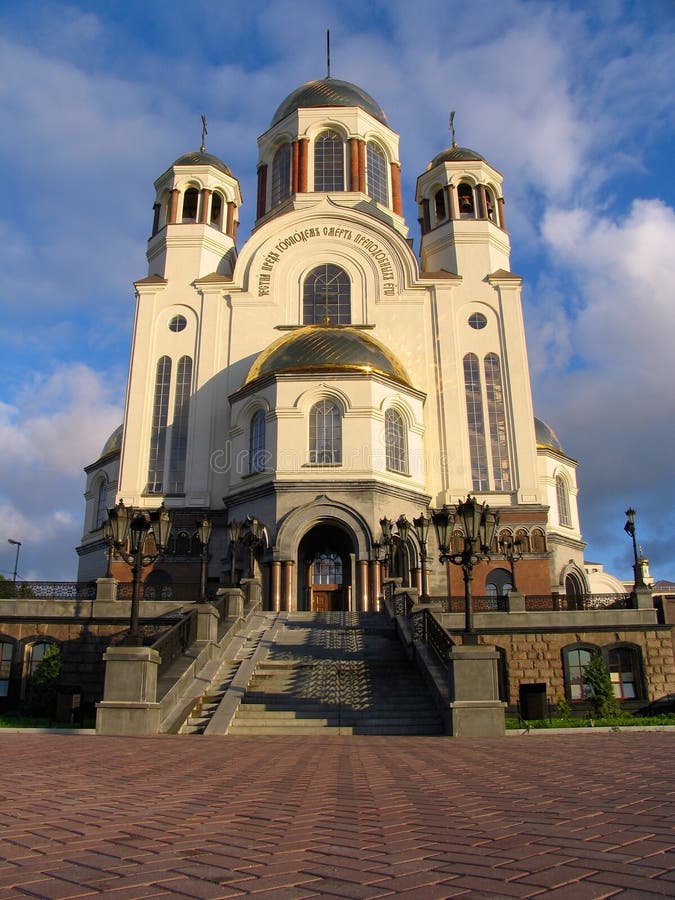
column 287, row 584
column 362, row 565
column 452, row 201
column 396, row 198
column 375, row 583
column 500, row 206
column 362, row 167
column 483, row 201
column 262, row 191
column 230, row 229
column 204, row 217
column 354, row 182
column 303, row 164
column 173, row 207
column 275, row 599
column 295, row 151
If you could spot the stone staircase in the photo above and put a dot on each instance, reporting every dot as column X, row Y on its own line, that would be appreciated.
column 203, row 711
column 341, row 672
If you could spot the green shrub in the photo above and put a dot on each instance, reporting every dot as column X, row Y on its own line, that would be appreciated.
column 601, row 691
column 44, row 683
column 563, row 710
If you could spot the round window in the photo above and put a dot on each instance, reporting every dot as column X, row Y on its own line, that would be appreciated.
column 177, row 323
column 477, row 320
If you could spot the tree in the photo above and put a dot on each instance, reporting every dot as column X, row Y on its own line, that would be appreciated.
column 44, row 682
column 7, row 588
column 600, row 688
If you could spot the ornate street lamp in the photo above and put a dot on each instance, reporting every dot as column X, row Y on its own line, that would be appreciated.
column 204, row 534
column 421, row 525
column 629, row 528
column 480, row 524
column 512, row 551
column 127, row 533
column 235, row 532
column 387, row 540
column 255, row 532
column 17, row 544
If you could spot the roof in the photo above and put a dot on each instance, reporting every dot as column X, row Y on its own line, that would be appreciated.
column 546, row 436
column 114, row 443
column 324, row 348
column 202, row 159
column 328, row 92
column 456, row 154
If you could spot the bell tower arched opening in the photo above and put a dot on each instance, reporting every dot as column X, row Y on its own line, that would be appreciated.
column 325, row 570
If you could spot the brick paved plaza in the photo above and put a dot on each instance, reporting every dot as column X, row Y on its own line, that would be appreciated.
column 575, row 816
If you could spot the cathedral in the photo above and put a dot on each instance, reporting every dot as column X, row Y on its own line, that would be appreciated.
column 314, row 390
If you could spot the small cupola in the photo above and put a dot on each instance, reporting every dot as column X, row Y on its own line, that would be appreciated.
column 460, row 201
column 196, row 208
column 329, row 137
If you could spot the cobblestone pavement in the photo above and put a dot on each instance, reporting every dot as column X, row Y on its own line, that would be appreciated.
column 578, row 816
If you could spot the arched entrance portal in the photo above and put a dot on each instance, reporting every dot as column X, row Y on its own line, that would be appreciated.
column 325, row 564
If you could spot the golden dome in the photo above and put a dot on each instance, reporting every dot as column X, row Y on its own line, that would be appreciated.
column 327, row 348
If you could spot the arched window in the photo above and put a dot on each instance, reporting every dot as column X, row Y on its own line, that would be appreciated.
column 523, row 540
column 101, row 504
column 439, row 205
column 216, row 217
column 476, row 422
column 575, row 660
column 499, row 583
column 256, row 458
column 395, row 438
column 327, row 296
column 38, row 651
column 457, row 541
column 327, row 569
column 491, row 208
column 160, row 411
column 281, row 174
column 325, row 434
column 179, row 429
column 497, row 418
column 190, row 204
column 329, row 167
column 183, row 544
column 538, row 541
column 624, row 664
column 376, row 174
column 562, row 494
column 466, row 201
column 6, row 657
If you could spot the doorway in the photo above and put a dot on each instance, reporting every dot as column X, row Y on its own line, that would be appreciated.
column 325, row 569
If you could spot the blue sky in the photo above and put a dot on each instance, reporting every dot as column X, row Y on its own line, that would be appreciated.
column 573, row 105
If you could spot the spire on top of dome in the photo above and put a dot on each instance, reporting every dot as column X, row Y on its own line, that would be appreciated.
column 453, row 153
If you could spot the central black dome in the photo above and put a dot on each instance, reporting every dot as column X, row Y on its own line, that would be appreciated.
column 329, row 92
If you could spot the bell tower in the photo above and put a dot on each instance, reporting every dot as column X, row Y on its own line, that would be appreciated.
column 196, row 214
column 461, row 215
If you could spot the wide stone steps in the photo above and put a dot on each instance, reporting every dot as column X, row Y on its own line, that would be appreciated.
column 342, row 673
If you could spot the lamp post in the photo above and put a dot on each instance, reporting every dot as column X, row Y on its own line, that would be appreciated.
column 255, row 531
column 17, row 544
column 387, row 541
column 629, row 528
column 421, row 525
column 128, row 531
column 512, row 551
column 235, row 532
column 480, row 524
column 204, row 534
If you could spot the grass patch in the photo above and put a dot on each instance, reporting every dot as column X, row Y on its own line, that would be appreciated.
column 625, row 721
column 10, row 720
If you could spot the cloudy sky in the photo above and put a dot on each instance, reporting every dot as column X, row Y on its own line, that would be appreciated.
column 572, row 101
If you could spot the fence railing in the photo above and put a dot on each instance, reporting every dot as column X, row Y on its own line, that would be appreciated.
column 425, row 627
column 47, row 590
column 174, row 642
column 187, row 592
column 572, row 603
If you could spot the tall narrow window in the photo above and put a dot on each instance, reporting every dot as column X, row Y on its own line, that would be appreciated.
column 326, row 296
column 101, row 504
column 466, row 202
column 476, row 421
column 562, row 494
column 395, row 442
column 216, row 217
column 376, row 174
column 160, row 411
column 576, row 661
column 256, row 459
column 329, row 167
column 281, row 174
column 501, row 470
column 623, row 664
column 179, row 428
column 439, row 205
column 6, row 657
column 327, row 568
column 325, row 434
column 190, row 203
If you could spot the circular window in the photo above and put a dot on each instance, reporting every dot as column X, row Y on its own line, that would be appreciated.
column 477, row 320
column 177, row 323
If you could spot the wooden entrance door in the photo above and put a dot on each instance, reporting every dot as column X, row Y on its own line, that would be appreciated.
column 327, row 598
